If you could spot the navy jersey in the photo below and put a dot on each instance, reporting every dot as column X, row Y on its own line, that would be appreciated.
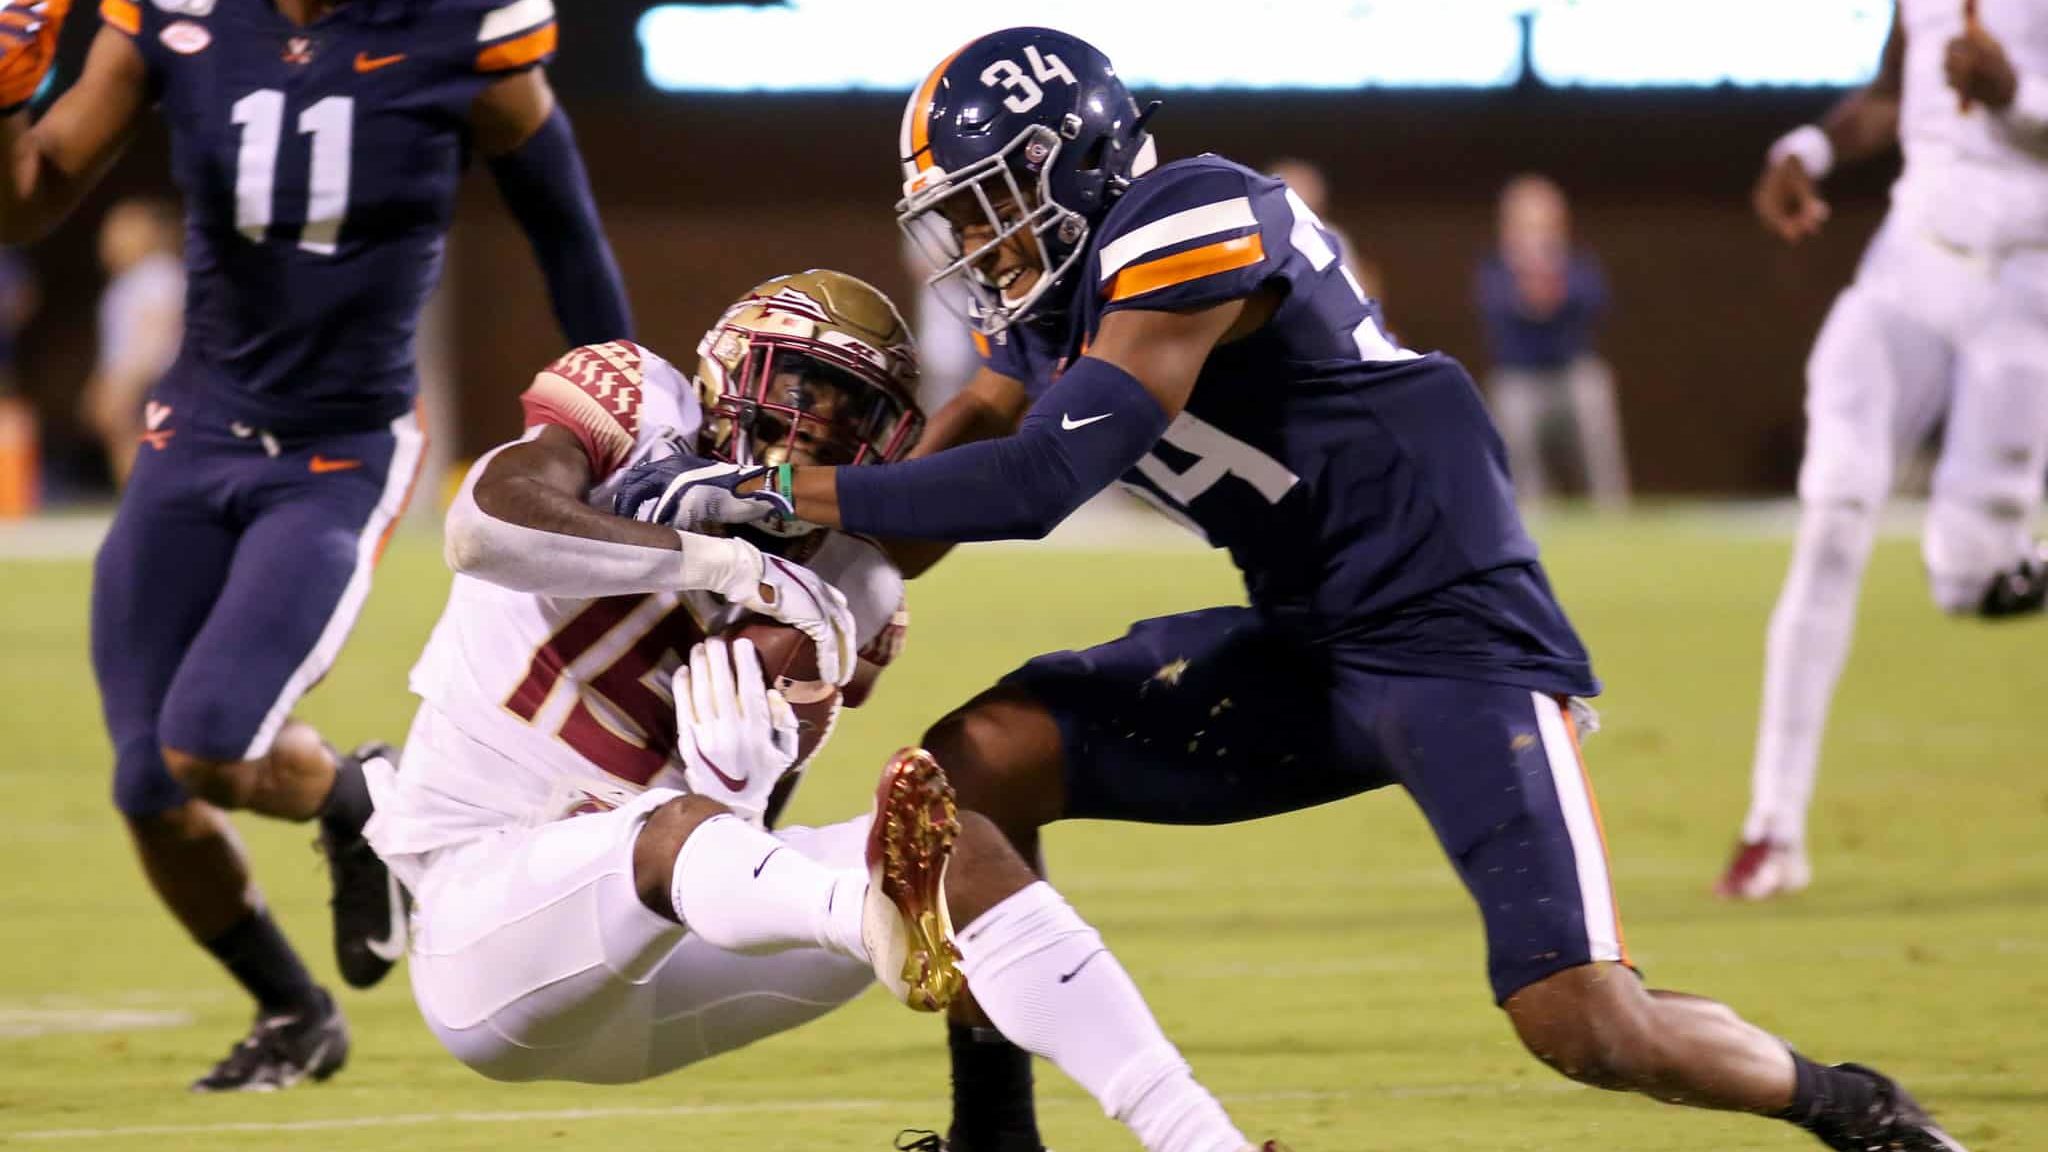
column 1360, row 487
column 318, row 166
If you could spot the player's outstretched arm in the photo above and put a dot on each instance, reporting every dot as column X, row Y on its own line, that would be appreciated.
column 1861, row 125
column 520, row 521
column 1103, row 414
column 58, row 159
column 989, row 406
column 531, row 151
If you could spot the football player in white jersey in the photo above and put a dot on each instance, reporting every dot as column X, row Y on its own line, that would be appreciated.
column 580, row 808
column 1946, row 322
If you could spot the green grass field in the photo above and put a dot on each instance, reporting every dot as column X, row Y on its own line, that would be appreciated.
column 1323, row 971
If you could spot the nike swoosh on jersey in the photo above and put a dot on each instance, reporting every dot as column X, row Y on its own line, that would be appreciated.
column 1068, row 423
column 368, row 63
column 320, row 465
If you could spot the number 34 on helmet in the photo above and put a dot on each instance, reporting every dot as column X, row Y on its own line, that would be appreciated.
column 1024, row 136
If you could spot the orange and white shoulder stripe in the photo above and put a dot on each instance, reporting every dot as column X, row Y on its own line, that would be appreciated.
column 1132, row 264
column 515, row 35
column 1604, row 940
column 125, row 15
column 913, row 141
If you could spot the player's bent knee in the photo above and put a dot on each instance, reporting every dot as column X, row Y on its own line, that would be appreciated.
column 658, row 842
column 1592, row 1028
column 1002, row 753
column 211, row 780
column 143, row 790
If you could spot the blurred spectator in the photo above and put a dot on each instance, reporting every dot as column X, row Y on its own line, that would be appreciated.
column 19, row 298
column 141, row 322
column 18, row 438
column 946, row 355
column 1308, row 182
column 1540, row 299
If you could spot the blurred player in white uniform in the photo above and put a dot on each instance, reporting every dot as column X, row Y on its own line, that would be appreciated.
column 1947, row 321
column 581, row 805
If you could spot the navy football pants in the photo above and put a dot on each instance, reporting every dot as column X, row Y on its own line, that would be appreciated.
column 1212, row 717
column 227, row 585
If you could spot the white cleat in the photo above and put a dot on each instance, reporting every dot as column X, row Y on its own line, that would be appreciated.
column 1761, row 869
column 904, row 922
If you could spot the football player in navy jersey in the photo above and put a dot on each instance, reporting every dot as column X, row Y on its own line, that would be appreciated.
column 317, row 144
column 1188, row 329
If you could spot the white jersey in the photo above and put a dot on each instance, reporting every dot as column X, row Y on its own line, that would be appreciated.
column 571, row 697
column 1971, row 179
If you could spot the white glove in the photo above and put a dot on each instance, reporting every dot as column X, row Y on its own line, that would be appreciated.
column 800, row 598
column 736, row 735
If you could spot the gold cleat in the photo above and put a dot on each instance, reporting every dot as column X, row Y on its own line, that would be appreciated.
column 905, row 924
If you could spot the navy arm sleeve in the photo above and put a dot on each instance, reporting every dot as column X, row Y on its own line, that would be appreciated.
column 546, row 188
column 1095, row 422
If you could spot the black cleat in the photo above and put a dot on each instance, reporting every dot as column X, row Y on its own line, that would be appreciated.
column 282, row 1050
column 368, row 902
column 1895, row 1122
column 2020, row 592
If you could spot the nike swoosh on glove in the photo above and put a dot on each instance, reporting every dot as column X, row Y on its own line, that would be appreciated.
column 736, row 735
column 789, row 592
column 691, row 493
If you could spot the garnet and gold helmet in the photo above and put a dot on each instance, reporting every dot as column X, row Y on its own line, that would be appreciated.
column 814, row 368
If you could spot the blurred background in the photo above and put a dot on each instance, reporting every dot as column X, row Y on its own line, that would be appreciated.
column 1554, row 191
column 730, row 142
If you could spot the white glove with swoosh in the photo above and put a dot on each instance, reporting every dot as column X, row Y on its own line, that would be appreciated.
column 736, row 735
column 806, row 602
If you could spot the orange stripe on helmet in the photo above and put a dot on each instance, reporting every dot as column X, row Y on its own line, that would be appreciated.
column 123, row 14
column 520, row 51
column 920, row 132
column 1182, row 267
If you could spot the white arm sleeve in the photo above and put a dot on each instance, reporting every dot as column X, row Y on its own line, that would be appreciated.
column 477, row 544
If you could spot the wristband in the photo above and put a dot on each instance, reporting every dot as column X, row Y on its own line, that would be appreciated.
column 1808, row 145
column 716, row 563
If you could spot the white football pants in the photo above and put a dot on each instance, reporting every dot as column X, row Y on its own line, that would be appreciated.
column 1925, row 334
column 534, row 959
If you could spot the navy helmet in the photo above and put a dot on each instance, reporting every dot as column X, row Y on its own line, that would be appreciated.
column 1030, row 130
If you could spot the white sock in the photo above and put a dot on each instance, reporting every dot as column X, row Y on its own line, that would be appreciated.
column 1804, row 652
column 1047, row 981
column 743, row 890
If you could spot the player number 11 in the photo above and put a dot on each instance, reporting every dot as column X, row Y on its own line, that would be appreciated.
column 330, row 122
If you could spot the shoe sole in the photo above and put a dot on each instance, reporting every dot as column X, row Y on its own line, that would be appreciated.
column 910, row 846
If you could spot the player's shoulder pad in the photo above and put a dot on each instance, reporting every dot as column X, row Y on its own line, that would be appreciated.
column 126, row 16
column 1179, row 223
column 596, row 391
column 496, row 37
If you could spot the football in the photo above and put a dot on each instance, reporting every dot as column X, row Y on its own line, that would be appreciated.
column 790, row 662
